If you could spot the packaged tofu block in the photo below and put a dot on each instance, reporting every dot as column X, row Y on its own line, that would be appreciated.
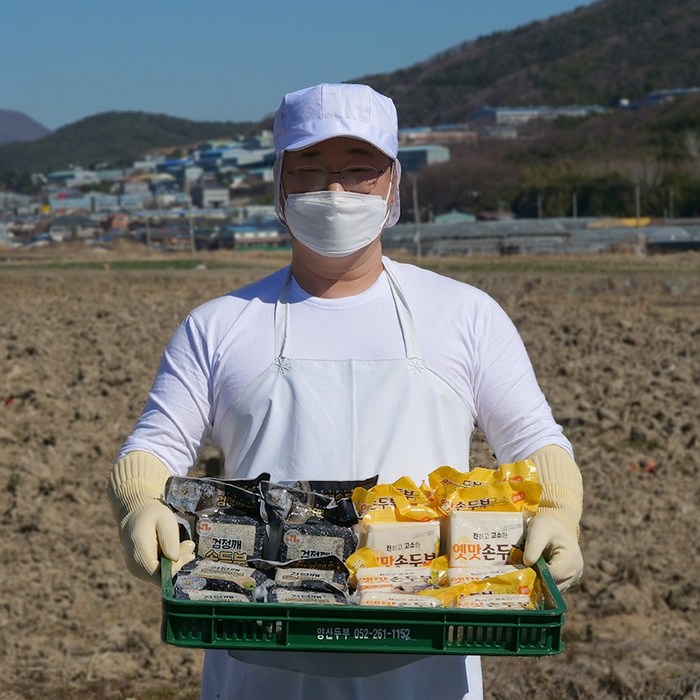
column 280, row 594
column 467, row 574
column 214, row 596
column 224, row 576
column 498, row 601
column 326, row 573
column 316, row 538
column 398, row 502
column 395, row 579
column 287, row 504
column 230, row 538
column 397, row 600
column 190, row 586
column 196, row 496
column 445, row 479
column 483, row 538
column 511, row 585
column 402, row 543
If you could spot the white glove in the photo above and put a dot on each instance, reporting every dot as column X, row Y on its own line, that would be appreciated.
column 147, row 526
column 553, row 530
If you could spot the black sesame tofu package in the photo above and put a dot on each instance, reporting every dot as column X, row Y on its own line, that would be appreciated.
column 280, row 594
column 229, row 537
column 327, row 573
column 306, row 525
column 188, row 586
column 286, row 503
column 194, row 496
column 335, row 489
column 225, row 576
column 208, row 596
column 315, row 538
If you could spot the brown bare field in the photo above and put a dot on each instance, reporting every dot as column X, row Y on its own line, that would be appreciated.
column 614, row 341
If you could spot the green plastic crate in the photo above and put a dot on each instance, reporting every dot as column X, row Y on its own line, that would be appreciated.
column 354, row 628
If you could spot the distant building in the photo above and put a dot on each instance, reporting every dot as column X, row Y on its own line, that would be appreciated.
column 503, row 122
column 60, row 177
column 454, row 217
column 664, row 96
column 147, row 164
column 210, row 196
column 270, row 234
column 71, row 227
column 135, row 186
column 174, row 165
column 414, row 158
column 440, row 135
column 258, row 213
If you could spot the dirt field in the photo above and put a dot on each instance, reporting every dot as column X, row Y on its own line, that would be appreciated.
column 615, row 345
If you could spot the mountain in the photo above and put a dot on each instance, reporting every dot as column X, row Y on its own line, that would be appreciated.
column 17, row 126
column 117, row 138
column 603, row 53
column 596, row 54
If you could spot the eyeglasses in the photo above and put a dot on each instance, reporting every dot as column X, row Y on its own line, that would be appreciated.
column 355, row 178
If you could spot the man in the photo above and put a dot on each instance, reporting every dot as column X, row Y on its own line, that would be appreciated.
column 343, row 365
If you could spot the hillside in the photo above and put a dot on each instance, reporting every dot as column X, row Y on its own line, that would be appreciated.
column 597, row 54
column 17, row 126
column 117, row 138
column 601, row 160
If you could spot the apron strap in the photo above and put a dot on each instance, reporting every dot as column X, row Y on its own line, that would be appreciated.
column 408, row 330
column 405, row 318
column 282, row 316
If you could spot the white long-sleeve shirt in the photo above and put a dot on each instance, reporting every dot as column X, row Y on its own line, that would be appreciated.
column 463, row 334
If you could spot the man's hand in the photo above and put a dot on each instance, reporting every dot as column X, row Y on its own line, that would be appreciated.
column 553, row 530
column 147, row 526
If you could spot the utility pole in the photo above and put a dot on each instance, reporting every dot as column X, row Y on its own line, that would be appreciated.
column 193, row 247
column 641, row 241
column 416, row 216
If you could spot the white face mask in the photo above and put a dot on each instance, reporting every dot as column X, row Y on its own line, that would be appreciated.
column 335, row 224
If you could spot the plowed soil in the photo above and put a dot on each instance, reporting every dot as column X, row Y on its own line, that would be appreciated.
column 615, row 343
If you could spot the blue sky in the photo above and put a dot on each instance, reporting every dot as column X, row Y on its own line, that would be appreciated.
column 222, row 59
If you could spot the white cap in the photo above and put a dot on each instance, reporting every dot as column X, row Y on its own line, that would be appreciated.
column 325, row 111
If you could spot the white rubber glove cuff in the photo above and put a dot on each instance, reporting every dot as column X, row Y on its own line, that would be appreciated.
column 146, row 525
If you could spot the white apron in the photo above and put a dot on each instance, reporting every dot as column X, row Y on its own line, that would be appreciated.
column 344, row 419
